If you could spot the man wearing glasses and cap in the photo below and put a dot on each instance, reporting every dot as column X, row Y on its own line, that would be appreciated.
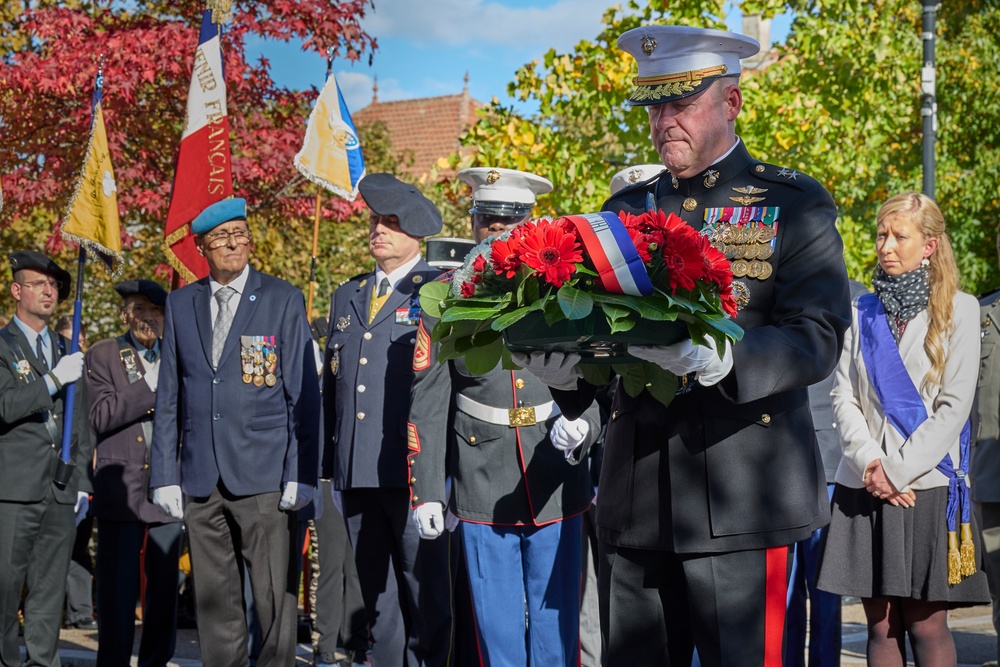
column 122, row 376
column 237, row 403
column 518, row 488
column 700, row 500
column 366, row 395
column 37, row 513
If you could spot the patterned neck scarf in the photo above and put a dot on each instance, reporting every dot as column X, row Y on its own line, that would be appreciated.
column 903, row 296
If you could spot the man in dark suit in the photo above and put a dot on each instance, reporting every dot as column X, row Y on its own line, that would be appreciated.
column 122, row 375
column 700, row 500
column 238, row 397
column 37, row 513
column 366, row 393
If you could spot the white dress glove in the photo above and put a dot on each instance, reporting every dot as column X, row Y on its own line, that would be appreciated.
column 429, row 519
column 82, row 506
column 69, row 369
column 169, row 499
column 680, row 358
column 295, row 496
column 717, row 368
column 555, row 369
column 568, row 434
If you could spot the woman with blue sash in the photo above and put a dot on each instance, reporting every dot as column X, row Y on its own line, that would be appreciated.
column 901, row 537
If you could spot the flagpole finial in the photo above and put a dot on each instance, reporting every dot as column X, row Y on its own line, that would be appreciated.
column 100, row 73
column 222, row 10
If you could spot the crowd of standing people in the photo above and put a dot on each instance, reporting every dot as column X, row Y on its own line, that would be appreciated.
column 454, row 513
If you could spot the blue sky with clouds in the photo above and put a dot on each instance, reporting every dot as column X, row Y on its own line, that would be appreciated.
column 426, row 48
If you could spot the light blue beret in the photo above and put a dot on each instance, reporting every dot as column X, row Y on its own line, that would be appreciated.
column 214, row 215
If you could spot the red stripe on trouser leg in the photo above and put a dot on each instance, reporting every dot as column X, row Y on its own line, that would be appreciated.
column 775, row 595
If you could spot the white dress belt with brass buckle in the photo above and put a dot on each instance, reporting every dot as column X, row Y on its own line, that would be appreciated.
column 525, row 416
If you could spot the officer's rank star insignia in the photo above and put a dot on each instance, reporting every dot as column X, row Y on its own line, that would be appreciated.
column 789, row 174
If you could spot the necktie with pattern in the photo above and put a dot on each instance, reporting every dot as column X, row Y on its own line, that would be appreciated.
column 150, row 354
column 223, row 320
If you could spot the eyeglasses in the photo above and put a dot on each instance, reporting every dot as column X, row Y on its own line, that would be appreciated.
column 39, row 285
column 220, row 239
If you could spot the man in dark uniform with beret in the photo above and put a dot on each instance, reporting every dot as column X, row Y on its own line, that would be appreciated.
column 235, row 440
column 36, row 513
column 518, row 487
column 366, row 394
column 122, row 375
column 700, row 500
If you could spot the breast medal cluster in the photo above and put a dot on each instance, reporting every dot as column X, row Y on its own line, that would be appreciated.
column 259, row 358
column 746, row 236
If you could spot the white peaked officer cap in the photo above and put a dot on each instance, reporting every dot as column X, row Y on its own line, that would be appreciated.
column 678, row 61
column 634, row 174
column 503, row 192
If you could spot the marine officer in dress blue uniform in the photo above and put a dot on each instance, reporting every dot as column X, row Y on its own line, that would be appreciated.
column 366, row 395
column 700, row 500
column 518, row 487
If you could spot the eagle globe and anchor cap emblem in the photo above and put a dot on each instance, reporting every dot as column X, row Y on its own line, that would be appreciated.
column 343, row 134
column 648, row 45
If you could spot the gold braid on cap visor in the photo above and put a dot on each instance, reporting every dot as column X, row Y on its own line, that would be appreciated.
column 670, row 85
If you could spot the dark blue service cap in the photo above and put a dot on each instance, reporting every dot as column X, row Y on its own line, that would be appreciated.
column 387, row 195
column 234, row 208
column 30, row 259
column 147, row 288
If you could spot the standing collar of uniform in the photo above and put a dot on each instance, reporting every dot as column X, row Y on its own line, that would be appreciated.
column 398, row 274
column 142, row 348
column 729, row 165
column 238, row 283
column 31, row 334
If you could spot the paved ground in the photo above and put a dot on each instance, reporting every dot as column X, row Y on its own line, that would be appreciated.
column 972, row 628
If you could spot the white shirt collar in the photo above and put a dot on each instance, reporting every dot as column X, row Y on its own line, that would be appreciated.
column 396, row 275
column 238, row 283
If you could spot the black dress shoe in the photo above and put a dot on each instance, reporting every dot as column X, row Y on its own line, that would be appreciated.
column 83, row 624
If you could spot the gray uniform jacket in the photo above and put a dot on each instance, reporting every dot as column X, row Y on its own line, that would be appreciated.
column 985, row 471
column 366, row 381
column 502, row 474
column 28, row 452
column 735, row 466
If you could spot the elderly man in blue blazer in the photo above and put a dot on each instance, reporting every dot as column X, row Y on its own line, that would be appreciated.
column 366, row 393
column 235, row 441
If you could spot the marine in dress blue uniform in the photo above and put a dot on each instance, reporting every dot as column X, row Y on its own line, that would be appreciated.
column 366, row 395
column 700, row 500
column 518, row 488
column 236, row 430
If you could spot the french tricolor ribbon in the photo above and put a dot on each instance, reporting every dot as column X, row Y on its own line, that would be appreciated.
column 610, row 248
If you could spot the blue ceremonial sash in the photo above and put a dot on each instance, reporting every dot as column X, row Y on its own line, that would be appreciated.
column 901, row 401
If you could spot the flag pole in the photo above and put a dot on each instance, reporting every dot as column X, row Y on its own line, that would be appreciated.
column 319, row 206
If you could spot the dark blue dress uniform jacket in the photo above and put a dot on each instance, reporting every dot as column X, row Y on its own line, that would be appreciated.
column 735, row 466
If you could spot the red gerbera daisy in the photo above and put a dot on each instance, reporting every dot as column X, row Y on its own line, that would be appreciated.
column 550, row 250
column 505, row 257
column 641, row 242
column 717, row 269
column 682, row 257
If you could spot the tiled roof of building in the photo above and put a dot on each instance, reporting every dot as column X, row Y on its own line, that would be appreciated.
column 427, row 128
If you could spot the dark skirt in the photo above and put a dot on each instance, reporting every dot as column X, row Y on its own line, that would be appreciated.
column 873, row 549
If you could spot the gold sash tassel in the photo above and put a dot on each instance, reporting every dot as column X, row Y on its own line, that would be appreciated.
column 968, row 552
column 954, row 559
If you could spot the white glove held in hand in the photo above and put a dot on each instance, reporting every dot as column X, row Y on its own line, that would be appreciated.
column 295, row 496
column 717, row 368
column 168, row 499
column 555, row 369
column 680, row 358
column 429, row 519
column 566, row 435
column 82, row 506
column 69, row 369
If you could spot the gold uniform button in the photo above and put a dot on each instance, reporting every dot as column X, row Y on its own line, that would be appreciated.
column 472, row 438
column 368, row 335
column 416, row 498
column 145, row 466
column 614, row 415
column 361, row 415
column 690, row 204
column 139, row 439
column 766, row 418
column 519, row 383
column 759, row 169
column 150, row 411
column 362, row 361
column 413, row 480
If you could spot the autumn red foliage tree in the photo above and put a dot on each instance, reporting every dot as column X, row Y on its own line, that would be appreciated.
column 50, row 56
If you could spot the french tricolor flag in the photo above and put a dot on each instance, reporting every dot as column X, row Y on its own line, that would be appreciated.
column 204, row 163
column 610, row 248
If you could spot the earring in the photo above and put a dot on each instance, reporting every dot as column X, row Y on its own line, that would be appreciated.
column 925, row 262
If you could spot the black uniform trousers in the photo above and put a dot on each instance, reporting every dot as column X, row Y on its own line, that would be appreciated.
column 36, row 540
column 657, row 606
column 80, row 580
column 120, row 554
column 224, row 530
column 340, row 609
column 405, row 581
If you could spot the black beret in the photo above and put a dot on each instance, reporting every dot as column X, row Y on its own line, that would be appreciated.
column 147, row 288
column 30, row 259
column 387, row 195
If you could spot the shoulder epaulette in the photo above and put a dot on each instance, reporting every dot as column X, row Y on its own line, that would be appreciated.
column 776, row 174
column 639, row 184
